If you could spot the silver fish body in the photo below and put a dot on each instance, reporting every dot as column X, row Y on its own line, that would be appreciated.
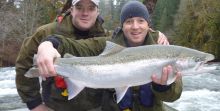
column 119, row 67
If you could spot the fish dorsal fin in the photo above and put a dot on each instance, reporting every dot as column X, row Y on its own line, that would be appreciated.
column 111, row 48
column 120, row 92
column 67, row 55
column 59, row 59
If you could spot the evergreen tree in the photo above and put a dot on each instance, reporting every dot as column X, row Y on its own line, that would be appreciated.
column 199, row 27
column 163, row 15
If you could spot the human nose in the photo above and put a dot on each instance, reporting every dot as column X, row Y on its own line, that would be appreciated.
column 134, row 25
column 85, row 11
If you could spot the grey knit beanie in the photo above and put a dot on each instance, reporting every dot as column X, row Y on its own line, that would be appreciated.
column 134, row 9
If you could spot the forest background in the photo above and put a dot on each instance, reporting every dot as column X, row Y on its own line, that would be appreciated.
column 190, row 23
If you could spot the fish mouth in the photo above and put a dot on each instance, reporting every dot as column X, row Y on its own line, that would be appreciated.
column 199, row 65
column 209, row 58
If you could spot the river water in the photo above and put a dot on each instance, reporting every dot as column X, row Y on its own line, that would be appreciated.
column 200, row 93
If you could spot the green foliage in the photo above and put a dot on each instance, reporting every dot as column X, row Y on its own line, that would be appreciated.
column 59, row 4
column 163, row 15
column 198, row 26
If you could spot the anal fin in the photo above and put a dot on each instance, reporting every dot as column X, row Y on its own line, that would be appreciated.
column 120, row 92
column 73, row 87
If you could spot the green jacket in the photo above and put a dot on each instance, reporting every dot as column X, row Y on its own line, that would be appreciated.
column 94, row 46
column 29, row 89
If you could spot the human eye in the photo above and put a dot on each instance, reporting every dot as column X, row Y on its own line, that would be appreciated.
column 92, row 8
column 141, row 20
column 128, row 21
column 78, row 7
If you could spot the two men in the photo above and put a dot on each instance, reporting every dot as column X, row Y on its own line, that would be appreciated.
column 82, row 22
column 135, row 31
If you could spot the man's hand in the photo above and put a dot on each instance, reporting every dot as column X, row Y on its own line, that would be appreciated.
column 41, row 107
column 162, row 39
column 163, row 80
column 45, row 59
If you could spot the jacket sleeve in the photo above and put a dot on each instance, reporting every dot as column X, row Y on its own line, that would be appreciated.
column 29, row 88
column 171, row 94
column 84, row 47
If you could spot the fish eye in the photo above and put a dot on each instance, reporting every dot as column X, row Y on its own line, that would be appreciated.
column 197, row 59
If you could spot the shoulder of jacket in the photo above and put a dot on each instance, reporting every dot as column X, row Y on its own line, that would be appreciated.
column 49, row 26
column 154, row 33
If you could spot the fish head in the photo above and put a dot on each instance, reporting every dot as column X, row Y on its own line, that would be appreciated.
column 200, row 59
column 203, row 57
column 195, row 64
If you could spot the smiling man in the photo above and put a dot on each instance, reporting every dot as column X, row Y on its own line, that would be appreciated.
column 81, row 20
column 84, row 13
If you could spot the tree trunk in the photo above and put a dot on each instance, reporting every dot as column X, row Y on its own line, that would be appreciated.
column 150, row 4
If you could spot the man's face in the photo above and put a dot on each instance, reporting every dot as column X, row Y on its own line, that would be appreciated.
column 84, row 14
column 135, row 30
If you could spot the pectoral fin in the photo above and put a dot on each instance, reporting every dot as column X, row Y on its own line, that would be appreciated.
column 120, row 92
column 74, row 87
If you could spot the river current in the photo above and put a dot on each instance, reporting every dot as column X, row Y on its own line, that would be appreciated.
column 200, row 93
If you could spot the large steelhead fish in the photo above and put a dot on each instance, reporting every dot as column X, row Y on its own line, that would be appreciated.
column 119, row 67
